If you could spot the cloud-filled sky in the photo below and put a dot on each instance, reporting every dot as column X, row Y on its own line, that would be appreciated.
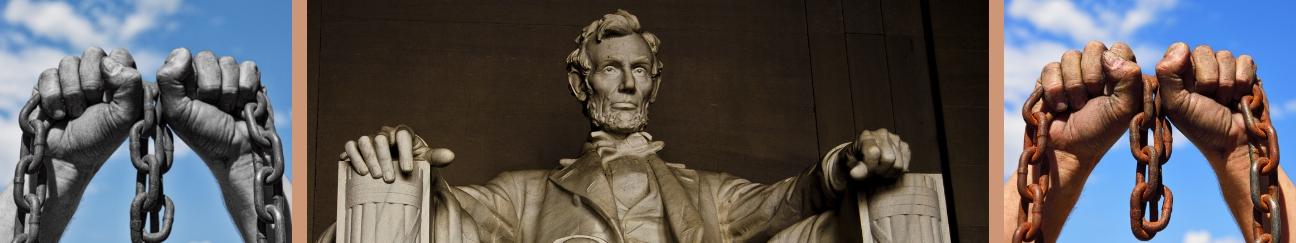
column 34, row 35
column 1039, row 31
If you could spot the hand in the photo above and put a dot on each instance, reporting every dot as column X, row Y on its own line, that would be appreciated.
column 1093, row 95
column 877, row 153
column 373, row 156
column 87, row 126
column 202, row 98
column 1199, row 88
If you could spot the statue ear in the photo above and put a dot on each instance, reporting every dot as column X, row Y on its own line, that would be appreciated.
column 577, row 86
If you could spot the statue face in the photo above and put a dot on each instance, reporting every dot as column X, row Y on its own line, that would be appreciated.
column 622, row 83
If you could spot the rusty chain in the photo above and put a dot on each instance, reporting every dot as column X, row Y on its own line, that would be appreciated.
column 1262, row 144
column 30, row 198
column 150, row 166
column 1148, row 186
column 268, row 195
column 1033, row 170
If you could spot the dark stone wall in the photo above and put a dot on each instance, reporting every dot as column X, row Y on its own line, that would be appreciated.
column 759, row 89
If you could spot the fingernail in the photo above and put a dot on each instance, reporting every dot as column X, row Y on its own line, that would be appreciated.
column 1061, row 106
column 1111, row 60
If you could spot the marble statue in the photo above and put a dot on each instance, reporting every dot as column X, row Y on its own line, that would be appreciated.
column 619, row 189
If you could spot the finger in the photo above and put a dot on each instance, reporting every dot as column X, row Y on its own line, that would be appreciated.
column 1170, row 72
column 126, row 86
column 248, row 83
column 904, row 150
column 51, row 96
column 1205, row 70
column 1054, row 95
column 1123, row 51
column 1227, row 75
column 888, row 158
column 122, row 56
column 91, row 80
column 175, row 75
column 1246, row 75
column 357, row 162
column 370, row 157
column 1091, row 68
column 1128, row 78
column 441, row 157
column 1071, row 80
column 70, row 83
column 899, row 166
column 229, row 83
column 404, row 145
column 383, row 147
column 208, row 81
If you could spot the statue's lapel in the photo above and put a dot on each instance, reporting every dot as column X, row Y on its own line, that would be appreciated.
column 679, row 196
column 585, row 179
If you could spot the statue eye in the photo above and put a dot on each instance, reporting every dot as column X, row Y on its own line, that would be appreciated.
column 640, row 71
column 609, row 69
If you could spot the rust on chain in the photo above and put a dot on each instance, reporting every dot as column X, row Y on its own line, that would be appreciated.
column 30, row 198
column 1150, row 157
column 1033, row 170
column 149, row 201
column 268, row 165
column 1262, row 144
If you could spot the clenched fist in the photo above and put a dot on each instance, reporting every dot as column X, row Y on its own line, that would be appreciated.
column 87, row 125
column 1093, row 94
column 876, row 153
column 1199, row 88
column 373, row 155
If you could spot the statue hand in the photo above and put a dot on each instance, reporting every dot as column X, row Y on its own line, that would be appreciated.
column 373, row 156
column 201, row 96
column 1199, row 88
column 877, row 153
column 1093, row 97
column 87, row 126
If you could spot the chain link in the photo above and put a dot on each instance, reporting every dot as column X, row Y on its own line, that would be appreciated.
column 1262, row 143
column 271, row 204
column 30, row 198
column 1033, row 170
column 150, row 166
column 1148, row 186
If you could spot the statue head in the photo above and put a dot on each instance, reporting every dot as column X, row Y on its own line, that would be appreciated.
column 614, row 72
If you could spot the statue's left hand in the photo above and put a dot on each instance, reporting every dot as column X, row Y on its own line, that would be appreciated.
column 201, row 96
column 877, row 153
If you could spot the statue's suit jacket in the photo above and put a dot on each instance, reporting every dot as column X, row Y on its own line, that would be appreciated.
column 699, row 206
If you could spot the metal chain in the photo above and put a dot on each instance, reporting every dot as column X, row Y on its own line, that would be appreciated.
column 271, row 204
column 1033, row 170
column 1148, row 186
column 1262, row 142
column 150, row 166
column 30, row 198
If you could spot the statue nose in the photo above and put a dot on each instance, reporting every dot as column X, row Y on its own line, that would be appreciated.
column 627, row 83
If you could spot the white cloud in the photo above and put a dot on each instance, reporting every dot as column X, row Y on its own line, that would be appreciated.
column 94, row 25
column 1014, row 129
column 1203, row 236
column 1280, row 110
column 1067, row 19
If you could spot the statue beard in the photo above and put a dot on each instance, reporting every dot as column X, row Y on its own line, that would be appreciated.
column 604, row 117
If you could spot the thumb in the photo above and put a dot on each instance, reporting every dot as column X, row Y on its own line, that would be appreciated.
column 1128, row 77
column 1171, row 73
column 173, row 74
column 126, row 85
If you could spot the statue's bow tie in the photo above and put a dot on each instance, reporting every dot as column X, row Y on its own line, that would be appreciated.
column 636, row 145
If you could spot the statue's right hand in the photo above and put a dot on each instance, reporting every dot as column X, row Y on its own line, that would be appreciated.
column 373, row 155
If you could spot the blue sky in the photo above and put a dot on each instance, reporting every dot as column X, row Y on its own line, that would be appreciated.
column 1039, row 31
column 34, row 35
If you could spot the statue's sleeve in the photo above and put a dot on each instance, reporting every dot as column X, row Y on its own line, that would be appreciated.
column 757, row 211
column 493, row 210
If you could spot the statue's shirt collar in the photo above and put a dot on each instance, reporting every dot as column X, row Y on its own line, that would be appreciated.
column 609, row 147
